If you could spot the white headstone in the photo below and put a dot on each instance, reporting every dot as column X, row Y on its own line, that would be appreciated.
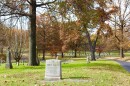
column 53, row 70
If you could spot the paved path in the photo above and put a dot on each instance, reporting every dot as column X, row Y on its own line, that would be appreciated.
column 126, row 65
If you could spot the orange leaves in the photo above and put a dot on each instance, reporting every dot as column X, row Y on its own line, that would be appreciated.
column 21, row 6
column 69, row 32
column 114, row 9
column 48, row 33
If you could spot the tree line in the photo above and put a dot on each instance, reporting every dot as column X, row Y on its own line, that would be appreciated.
column 102, row 24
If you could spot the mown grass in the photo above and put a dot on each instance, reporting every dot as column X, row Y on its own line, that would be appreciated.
column 76, row 73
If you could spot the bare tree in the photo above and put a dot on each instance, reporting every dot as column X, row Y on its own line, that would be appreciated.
column 120, row 21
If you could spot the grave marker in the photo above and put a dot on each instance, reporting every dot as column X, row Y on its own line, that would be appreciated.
column 8, row 60
column 53, row 70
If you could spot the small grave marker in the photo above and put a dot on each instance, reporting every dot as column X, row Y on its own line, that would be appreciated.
column 8, row 60
column 53, row 70
column 88, row 58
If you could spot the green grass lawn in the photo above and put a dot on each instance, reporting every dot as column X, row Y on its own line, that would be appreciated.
column 77, row 73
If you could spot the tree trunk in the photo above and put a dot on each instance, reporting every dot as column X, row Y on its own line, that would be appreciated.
column 85, row 50
column 44, row 45
column 79, row 53
column 75, row 52
column 121, row 53
column 55, row 55
column 17, row 63
column 38, row 61
column 92, row 50
column 99, row 54
column 121, row 48
column 92, row 46
column 43, row 54
column 32, row 35
column 62, row 54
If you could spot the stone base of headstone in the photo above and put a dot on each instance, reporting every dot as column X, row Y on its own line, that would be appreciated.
column 47, row 78
column 53, row 70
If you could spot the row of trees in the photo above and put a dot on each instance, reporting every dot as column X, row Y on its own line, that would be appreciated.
column 106, row 17
column 54, row 36
column 68, row 21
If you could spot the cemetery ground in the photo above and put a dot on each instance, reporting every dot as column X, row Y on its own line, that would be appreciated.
column 74, row 73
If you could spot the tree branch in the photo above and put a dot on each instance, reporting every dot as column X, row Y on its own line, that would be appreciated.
column 117, row 38
column 21, row 14
column 39, row 5
column 13, row 11
column 28, row 2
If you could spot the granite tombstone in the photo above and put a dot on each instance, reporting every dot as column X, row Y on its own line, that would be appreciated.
column 53, row 70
